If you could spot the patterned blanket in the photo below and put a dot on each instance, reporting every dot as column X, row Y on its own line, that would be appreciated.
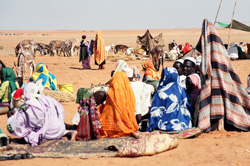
column 144, row 144
column 222, row 95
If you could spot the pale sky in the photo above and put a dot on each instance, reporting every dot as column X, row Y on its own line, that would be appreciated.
column 116, row 14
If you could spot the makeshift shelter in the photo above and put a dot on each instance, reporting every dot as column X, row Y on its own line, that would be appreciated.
column 148, row 42
column 235, row 25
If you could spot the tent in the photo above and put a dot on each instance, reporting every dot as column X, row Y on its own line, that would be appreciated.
column 148, row 42
column 235, row 25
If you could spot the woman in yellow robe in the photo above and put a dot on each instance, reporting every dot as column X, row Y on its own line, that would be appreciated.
column 99, row 50
column 118, row 115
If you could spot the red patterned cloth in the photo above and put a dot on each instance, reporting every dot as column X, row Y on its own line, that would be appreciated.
column 89, row 125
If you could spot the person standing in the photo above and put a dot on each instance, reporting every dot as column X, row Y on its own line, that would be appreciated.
column 99, row 50
column 84, row 53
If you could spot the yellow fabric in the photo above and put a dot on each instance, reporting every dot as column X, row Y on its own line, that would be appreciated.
column 4, row 91
column 149, row 69
column 99, row 48
column 118, row 115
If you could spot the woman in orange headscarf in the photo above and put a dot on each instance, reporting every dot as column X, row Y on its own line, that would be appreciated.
column 118, row 115
column 150, row 72
column 99, row 50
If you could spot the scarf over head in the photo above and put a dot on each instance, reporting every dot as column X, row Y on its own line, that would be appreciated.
column 49, row 80
column 150, row 71
column 99, row 48
column 40, row 118
column 170, row 107
column 118, row 115
column 9, row 75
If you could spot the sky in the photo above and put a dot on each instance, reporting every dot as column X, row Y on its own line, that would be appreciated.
column 116, row 14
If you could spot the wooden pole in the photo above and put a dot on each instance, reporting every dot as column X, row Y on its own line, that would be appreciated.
column 231, row 22
column 217, row 12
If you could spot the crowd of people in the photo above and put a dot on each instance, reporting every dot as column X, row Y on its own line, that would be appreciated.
column 170, row 101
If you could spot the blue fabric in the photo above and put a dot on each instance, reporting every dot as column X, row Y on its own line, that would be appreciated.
column 170, row 106
column 49, row 80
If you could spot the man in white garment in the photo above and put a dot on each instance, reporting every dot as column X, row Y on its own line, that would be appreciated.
column 142, row 92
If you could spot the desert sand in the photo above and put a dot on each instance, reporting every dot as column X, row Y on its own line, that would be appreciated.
column 214, row 148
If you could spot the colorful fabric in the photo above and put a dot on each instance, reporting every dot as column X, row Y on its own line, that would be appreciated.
column 187, row 133
column 89, row 125
column 148, row 144
column 137, row 74
column 40, row 118
column 170, row 106
column 86, row 63
column 118, row 115
column 195, row 78
column 82, row 93
column 49, row 80
column 248, row 83
column 99, row 48
column 120, row 65
column 8, row 84
column 149, row 68
column 222, row 94
column 186, row 48
column 84, row 56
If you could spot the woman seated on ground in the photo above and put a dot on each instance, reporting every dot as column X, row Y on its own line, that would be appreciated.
column 40, row 118
column 49, row 80
column 142, row 92
column 86, row 120
column 170, row 107
column 150, row 76
column 8, row 85
column 193, row 85
column 118, row 115
column 233, row 52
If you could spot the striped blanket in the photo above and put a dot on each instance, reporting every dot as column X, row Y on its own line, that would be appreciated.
column 222, row 94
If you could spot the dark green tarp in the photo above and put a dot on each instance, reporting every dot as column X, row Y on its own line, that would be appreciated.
column 235, row 25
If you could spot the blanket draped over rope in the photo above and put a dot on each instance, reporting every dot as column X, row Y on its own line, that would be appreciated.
column 222, row 94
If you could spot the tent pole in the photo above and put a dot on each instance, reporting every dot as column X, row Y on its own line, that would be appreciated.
column 217, row 12
column 231, row 22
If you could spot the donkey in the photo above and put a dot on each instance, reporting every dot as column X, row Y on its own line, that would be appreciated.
column 29, row 45
column 25, row 57
column 157, row 56
column 120, row 47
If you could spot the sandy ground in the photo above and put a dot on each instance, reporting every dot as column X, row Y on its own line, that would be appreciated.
column 214, row 148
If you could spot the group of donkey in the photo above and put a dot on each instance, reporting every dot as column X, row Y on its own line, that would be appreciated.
column 26, row 52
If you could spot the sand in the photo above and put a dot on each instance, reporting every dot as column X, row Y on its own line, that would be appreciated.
column 214, row 148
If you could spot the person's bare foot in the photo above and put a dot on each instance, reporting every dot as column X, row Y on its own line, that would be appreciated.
column 73, row 136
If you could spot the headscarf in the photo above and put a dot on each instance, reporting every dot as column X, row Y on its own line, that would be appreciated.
column 233, row 49
column 9, row 75
column 120, row 64
column 99, row 48
column 150, row 71
column 170, row 106
column 187, row 48
column 118, row 115
column 49, row 80
column 82, row 93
